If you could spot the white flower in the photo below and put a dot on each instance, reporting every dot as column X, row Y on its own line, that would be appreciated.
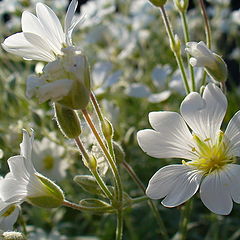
column 211, row 152
column 42, row 36
column 24, row 183
column 47, row 158
column 204, row 57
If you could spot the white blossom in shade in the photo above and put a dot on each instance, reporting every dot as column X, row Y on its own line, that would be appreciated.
column 42, row 37
column 24, row 183
column 209, row 153
column 48, row 159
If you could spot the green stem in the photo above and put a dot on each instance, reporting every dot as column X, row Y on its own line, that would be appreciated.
column 187, row 39
column 95, row 173
column 96, row 106
column 23, row 223
column 140, row 199
column 109, row 158
column 153, row 206
column 207, row 32
column 78, row 207
column 119, row 230
column 185, row 215
column 176, row 54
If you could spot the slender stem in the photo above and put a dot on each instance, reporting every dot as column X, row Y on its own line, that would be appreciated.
column 107, row 155
column 176, row 54
column 207, row 32
column 185, row 219
column 95, row 173
column 23, row 223
column 187, row 39
column 78, row 207
column 152, row 205
column 119, row 230
column 96, row 106
column 140, row 199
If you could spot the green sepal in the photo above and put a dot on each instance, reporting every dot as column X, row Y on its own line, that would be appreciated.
column 88, row 183
column 119, row 153
column 68, row 121
column 53, row 197
column 96, row 205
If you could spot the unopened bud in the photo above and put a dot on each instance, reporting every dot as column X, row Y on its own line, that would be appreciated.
column 107, row 129
column 181, row 5
column 68, row 121
column 13, row 236
column 88, row 183
column 176, row 45
column 52, row 197
column 98, row 205
column 158, row 3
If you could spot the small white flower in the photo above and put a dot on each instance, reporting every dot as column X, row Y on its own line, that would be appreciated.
column 47, row 158
column 211, row 152
column 204, row 57
column 42, row 37
column 24, row 183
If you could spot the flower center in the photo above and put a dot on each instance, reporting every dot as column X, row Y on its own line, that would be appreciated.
column 48, row 162
column 211, row 157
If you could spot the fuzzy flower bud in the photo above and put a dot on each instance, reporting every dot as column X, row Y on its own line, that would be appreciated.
column 68, row 121
column 203, row 57
column 181, row 5
column 158, row 3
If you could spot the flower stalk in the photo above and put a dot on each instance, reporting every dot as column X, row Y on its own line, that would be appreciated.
column 176, row 50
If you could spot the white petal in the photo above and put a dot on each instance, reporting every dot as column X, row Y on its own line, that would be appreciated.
column 70, row 22
column 20, row 46
column 205, row 114
column 177, row 183
column 31, row 24
column 7, row 222
column 233, row 173
column 26, row 151
column 33, row 83
column 233, row 134
column 54, row 90
column 13, row 191
column 51, row 24
column 215, row 192
column 171, row 139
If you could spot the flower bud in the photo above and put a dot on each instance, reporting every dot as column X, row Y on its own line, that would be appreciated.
column 181, row 5
column 88, row 183
column 13, row 236
column 52, row 197
column 176, row 45
column 68, row 121
column 158, row 3
column 107, row 129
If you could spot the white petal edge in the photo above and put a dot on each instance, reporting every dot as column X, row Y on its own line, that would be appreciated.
column 215, row 193
column 232, row 134
column 172, row 139
column 18, row 44
column 205, row 114
column 177, row 183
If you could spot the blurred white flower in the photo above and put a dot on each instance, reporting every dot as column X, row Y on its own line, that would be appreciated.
column 211, row 152
column 103, row 77
column 39, row 234
column 48, row 159
column 24, row 183
column 42, row 37
column 236, row 16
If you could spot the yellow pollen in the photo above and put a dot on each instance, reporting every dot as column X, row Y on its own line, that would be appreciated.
column 211, row 157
